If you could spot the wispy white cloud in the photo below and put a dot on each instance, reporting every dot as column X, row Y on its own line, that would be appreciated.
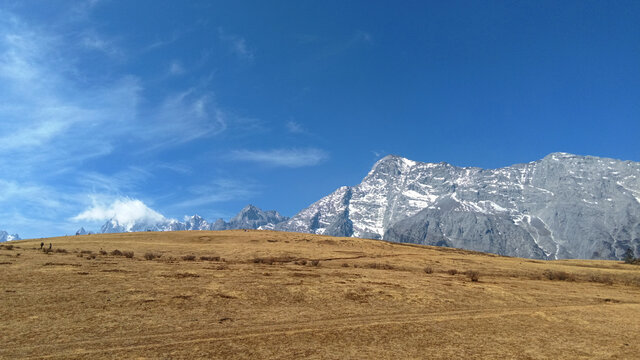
column 294, row 127
column 362, row 36
column 237, row 44
column 219, row 190
column 175, row 68
column 93, row 41
column 378, row 153
column 282, row 157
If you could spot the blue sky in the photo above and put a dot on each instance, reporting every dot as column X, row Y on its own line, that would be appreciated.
column 176, row 108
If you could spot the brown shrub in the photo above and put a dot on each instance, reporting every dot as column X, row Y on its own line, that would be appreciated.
column 315, row 262
column 301, row 262
column 186, row 275
column 473, row 275
column 380, row 266
column 600, row 278
column 452, row 271
column 151, row 256
column 428, row 270
column 116, row 252
column 83, row 251
column 7, row 246
column 63, row 251
column 273, row 260
column 102, row 252
column 189, row 257
column 128, row 254
column 345, row 265
column 210, row 258
column 558, row 275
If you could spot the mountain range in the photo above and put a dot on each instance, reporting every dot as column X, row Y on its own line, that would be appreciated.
column 250, row 217
column 559, row 207
column 5, row 236
column 562, row 206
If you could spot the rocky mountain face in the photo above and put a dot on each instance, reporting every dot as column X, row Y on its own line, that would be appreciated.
column 250, row 217
column 562, row 206
column 5, row 236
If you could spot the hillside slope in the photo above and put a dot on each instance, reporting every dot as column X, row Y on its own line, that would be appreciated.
column 265, row 294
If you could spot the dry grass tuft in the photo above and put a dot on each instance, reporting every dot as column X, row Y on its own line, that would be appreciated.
column 452, row 271
column 128, row 254
column 189, row 257
column 116, row 252
column 210, row 258
column 428, row 270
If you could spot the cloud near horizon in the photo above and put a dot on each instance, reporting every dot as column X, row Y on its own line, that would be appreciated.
column 125, row 211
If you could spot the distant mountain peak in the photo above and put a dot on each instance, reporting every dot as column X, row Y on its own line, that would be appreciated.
column 5, row 236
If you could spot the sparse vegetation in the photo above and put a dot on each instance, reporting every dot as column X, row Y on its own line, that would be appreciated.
column 473, row 275
column 84, row 252
column 128, row 254
column 210, row 258
column 315, row 262
column 452, row 271
column 428, row 270
column 7, row 246
column 189, row 257
column 151, row 256
column 558, row 275
column 270, row 260
column 62, row 251
column 600, row 278
column 345, row 265
column 186, row 275
column 102, row 252
column 380, row 266
column 116, row 252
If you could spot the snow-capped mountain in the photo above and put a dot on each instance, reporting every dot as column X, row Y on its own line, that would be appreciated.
column 562, row 206
column 250, row 217
column 82, row 231
column 5, row 236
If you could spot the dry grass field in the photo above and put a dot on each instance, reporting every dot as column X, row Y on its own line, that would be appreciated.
column 263, row 294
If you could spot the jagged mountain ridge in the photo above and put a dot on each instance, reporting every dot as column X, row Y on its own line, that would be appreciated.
column 562, row 206
column 250, row 217
column 5, row 236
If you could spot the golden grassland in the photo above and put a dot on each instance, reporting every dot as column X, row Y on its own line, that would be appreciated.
column 264, row 294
